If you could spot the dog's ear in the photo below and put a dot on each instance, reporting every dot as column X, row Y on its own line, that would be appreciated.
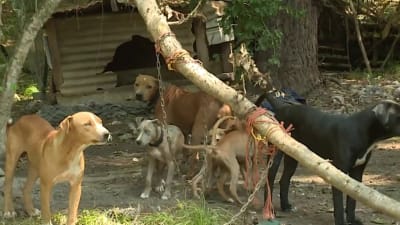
column 139, row 119
column 155, row 121
column 384, row 109
column 65, row 125
column 133, row 126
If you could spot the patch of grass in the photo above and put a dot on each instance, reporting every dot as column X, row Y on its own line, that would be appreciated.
column 187, row 213
column 184, row 213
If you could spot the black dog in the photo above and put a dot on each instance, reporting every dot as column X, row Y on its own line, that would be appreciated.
column 346, row 140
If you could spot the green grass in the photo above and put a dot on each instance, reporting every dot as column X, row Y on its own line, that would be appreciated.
column 183, row 213
column 187, row 213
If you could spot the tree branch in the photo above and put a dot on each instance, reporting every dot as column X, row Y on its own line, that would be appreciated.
column 170, row 47
column 14, row 66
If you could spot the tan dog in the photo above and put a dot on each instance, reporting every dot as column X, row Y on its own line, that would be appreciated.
column 55, row 155
column 193, row 112
column 228, row 156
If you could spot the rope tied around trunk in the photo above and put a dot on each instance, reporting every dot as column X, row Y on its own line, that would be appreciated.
column 179, row 56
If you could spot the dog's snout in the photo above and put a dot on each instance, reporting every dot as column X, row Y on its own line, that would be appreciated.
column 107, row 136
column 139, row 97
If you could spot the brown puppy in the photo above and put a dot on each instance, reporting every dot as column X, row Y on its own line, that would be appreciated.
column 55, row 155
column 228, row 156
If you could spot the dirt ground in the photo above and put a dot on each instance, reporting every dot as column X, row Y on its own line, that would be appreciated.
column 114, row 178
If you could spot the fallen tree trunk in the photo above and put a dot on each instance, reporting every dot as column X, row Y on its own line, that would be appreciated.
column 14, row 66
column 172, row 49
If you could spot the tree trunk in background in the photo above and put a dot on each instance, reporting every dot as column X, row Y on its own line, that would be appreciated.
column 14, row 66
column 299, row 48
column 1, row 13
column 1, row 21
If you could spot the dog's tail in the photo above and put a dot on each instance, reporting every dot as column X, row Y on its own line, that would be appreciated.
column 207, row 148
column 214, row 130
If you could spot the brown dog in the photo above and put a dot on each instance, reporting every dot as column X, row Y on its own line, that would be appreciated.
column 228, row 156
column 193, row 112
column 55, row 155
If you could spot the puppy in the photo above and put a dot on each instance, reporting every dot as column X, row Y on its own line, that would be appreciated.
column 193, row 112
column 228, row 156
column 346, row 140
column 163, row 149
column 54, row 155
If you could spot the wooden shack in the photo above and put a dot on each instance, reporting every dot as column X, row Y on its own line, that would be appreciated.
column 90, row 44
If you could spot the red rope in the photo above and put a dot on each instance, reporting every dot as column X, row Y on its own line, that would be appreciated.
column 261, row 147
column 179, row 55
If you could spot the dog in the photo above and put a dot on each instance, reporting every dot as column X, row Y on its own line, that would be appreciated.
column 54, row 156
column 193, row 112
column 228, row 156
column 164, row 148
column 345, row 140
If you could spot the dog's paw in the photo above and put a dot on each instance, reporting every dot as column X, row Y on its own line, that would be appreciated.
column 196, row 193
column 160, row 188
column 166, row 196
column 289, row 209
column 230, row 200
column 9, row 215
column 355, row 222
column 35, row 212
column 144, row 195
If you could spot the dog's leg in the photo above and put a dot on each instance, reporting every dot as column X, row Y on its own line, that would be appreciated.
column 209, row 173
column 338, row 210
column 196, row 179
column 272, row 171
column 27, row 192
column 45, row 196
column 221, row 184
column 234, row 169
column 290, row 166
column 12, row 156
column 171, row 170
column 73, row 203
column 149, row 176
column 357, row 174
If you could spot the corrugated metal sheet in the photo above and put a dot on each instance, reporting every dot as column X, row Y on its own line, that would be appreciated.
column 87, row 44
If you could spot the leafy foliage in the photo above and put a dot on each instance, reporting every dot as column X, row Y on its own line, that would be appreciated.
column 250, row 20
column 255, row 23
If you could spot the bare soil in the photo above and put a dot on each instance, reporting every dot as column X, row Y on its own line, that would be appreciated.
column 114, row 178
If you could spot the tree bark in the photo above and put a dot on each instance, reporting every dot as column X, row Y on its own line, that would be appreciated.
column 14, row 66
column 157, row 25
column 1, row 13
column 1, row 22
column 299, row 48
